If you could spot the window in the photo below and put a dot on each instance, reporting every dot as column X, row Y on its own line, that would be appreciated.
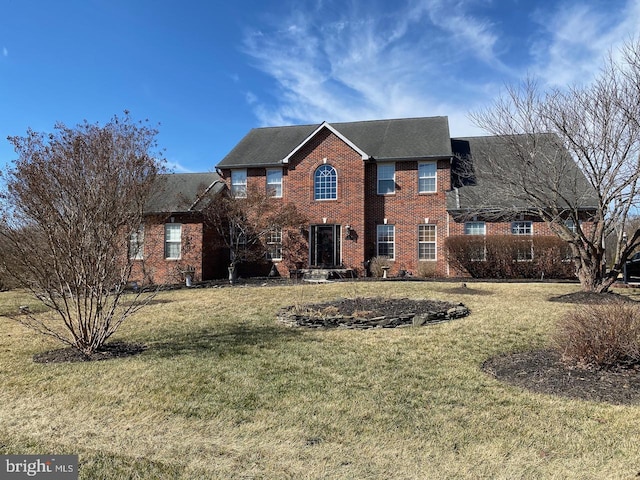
column 386, row 178
column 475, row 228
column 427, row 177
column 136, row 244
column 521, row 228
column 386, row 241
column 172, row 240
column 325, row 183
column 571, row 225
column 524, row 251
column 426, row 242
column 274, row 182
column 274, row 244
column 477, row 249
column 239, row 183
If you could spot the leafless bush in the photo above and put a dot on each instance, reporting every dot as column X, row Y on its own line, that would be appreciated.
column 376, row 266
column 427, row 269
column 508, row 256
column 69, row 206
column 601, row 336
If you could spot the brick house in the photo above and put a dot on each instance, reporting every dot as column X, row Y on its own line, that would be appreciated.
column 174, row 240
column 384, row 188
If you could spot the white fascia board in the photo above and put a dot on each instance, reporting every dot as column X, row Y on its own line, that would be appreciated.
column 363, row 154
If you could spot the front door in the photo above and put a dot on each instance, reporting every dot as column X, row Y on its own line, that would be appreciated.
column 325, row 246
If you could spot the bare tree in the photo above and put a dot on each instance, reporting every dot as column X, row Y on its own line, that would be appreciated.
column 72, row 200
column 245, row 224
column 543, row 136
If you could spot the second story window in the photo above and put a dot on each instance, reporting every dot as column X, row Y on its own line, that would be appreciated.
column 386, row 178
column 325, row 183
column 427, row 177
column 239, row 183
column 274, row 182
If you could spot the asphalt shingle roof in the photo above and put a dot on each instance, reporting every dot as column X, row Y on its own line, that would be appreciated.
column 182, row 192
column 486, row 191
column 381, row 139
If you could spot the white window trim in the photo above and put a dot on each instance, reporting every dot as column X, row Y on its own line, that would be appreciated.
column 315, row 183
column 136, row 252
column 519, row 224
column 392, row 242
column 277, row 245
column 379, row 178
column 434, row 242
column 277, row 186
column 166, row 242
column 435, row 177
column 236, row 189
column 475, row 223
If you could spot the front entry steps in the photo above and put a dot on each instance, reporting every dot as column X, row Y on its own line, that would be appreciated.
column 327, row 274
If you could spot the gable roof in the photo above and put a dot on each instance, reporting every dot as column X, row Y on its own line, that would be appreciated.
column 394, row 139
column 182, row 192
column 475, row 187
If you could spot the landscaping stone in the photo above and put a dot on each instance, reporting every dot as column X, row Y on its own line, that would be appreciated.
column 375, row 313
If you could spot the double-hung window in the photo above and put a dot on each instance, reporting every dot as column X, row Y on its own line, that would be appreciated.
column 386, row 241
column 477, row 249
column 274, row 182
column 524, row 251
column 386, row 178
column 274, row 244
column 239, row 183
column 522, row 228
column 426, row 242
column 475, row 228
column 172, row 241
column 427, row 174
column 136, row 244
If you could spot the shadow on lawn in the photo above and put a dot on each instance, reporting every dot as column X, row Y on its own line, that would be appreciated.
column 236, row 340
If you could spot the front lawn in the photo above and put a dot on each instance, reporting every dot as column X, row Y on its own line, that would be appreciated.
column 225, row 391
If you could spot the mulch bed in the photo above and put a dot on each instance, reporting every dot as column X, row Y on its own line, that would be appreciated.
column 543, row 371
column 591, row 298
column 107, row 352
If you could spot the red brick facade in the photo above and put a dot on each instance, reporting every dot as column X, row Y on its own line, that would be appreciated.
column 359, row 206
column 343, row 226
column 200, row 254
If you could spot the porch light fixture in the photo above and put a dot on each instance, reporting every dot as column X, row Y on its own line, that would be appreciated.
column 347, row 229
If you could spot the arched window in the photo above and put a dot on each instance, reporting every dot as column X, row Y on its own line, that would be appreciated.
column 325, row 183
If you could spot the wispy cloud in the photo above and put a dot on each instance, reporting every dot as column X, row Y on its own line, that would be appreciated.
column 578, row 37
column 5, row 52
column 176, row 167
column 423, row 57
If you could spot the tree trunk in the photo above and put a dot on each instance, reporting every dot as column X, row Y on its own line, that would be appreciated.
column 592, row 276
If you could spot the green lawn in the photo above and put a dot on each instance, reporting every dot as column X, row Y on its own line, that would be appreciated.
column 225, row 391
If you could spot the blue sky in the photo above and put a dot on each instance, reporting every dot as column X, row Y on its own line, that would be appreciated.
column 209, row 71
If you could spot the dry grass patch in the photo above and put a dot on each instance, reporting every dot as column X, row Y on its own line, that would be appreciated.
column 224, row 391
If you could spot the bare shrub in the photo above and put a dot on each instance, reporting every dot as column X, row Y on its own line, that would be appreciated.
column 509, row 256
column 427, row 269
column 601, row 336
column 376, row 266
column 68, row 208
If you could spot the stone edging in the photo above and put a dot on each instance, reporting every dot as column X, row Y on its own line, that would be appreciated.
column 290, row 317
